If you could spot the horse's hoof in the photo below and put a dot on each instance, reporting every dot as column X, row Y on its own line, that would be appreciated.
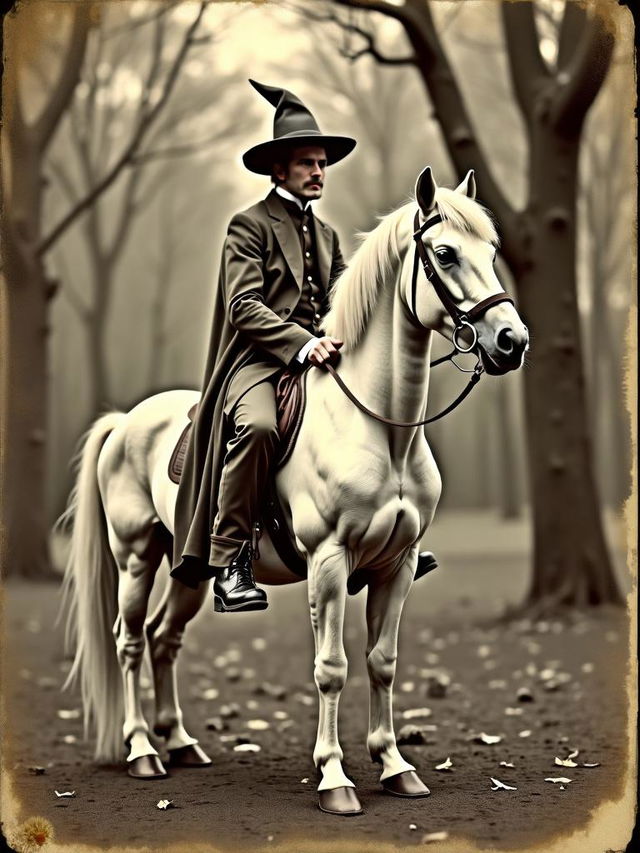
column 147, row 767
column 406, row 784
column 189, row 756
column 340, row 801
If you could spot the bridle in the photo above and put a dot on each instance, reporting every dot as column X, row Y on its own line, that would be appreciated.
column 461, row 320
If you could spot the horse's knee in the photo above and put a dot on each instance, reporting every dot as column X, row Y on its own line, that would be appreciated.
column 130, row 650
column 330, row 673
column 381, row 667
column 164, row 643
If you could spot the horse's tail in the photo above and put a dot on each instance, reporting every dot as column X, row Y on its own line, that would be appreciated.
column 89, row 600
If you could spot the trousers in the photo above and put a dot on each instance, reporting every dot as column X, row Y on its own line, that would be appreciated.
column 245, row 470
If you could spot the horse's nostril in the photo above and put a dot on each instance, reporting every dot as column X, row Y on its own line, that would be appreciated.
column 504, row 340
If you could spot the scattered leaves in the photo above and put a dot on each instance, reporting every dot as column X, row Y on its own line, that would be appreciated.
column 412, row 826
column 165, row 804
column 500, row 786
column 525, row 733
column 247, row 747
column 258, row 725
column 304, row 781
column 566, row 762
column 562, row 780
column 71, row 714
column 416, row 713
column 513, row 712
column 65, row 794
column 506, row 764
column 446, row 765
column 430, row 837
column 69, row 739
column 483, row 737
column 524, row 694
column 210, row 693
column 595, row 764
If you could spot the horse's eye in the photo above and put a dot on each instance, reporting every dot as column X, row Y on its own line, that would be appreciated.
column 446, row 256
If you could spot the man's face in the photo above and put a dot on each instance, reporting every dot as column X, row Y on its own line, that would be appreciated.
column 304, row 174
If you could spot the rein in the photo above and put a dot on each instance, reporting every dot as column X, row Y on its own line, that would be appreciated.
column 461, row 320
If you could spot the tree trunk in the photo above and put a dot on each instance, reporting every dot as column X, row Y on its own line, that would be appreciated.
column 25, row 549
column 571, row 562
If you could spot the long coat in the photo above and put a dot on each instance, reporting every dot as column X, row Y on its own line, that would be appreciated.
column 251, row 341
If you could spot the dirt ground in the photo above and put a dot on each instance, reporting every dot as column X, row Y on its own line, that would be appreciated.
column 570, row 675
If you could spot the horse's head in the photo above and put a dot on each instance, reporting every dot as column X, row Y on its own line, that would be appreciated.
column 462, row 298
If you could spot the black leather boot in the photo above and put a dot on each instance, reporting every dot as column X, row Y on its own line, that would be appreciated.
column 426, row 563
column 234, row 589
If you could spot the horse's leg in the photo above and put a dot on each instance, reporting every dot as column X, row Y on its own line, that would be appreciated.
column 385, row 601
column 137, row 562
column 327, row 595
column 164, row 635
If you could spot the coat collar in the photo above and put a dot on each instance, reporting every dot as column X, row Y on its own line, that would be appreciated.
column 290, row 242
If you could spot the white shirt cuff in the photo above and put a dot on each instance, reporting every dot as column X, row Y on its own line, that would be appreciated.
column 304, row 352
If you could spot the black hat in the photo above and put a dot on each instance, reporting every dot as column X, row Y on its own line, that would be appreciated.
column 293, row 125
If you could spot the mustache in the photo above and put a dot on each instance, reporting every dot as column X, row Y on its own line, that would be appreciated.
column 314, row 183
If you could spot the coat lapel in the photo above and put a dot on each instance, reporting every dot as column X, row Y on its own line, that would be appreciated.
column 286, row 235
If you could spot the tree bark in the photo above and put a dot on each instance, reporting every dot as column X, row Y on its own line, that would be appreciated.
column 27, row 292
column 571, row 561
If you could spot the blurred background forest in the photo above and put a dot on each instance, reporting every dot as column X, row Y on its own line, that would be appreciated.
column 124, row 125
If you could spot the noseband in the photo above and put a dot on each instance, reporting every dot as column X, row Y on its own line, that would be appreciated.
column 461, row 320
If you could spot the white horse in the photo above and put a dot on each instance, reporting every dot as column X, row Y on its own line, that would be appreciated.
column 358, row 493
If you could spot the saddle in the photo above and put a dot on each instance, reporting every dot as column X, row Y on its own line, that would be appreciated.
column 291, row 400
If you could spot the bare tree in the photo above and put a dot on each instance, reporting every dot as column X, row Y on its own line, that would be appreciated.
column 571, row 562
column 27, row 290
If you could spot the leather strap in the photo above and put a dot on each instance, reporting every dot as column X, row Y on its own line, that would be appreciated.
column 473, row 380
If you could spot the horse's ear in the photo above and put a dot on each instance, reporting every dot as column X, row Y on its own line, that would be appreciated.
column 426, row 190
column 468, row 185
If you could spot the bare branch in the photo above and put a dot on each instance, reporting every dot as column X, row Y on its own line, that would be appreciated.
column 371, row 48
column 528, row 69
column 572, row 28
column 177, row 150
column 399, row 13
column 67, row 81
column 580, row 80
column 137, row 138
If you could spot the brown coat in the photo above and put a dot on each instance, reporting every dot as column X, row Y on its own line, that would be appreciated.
column 251, row 340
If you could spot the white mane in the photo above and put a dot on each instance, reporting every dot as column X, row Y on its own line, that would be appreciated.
column 377, row 260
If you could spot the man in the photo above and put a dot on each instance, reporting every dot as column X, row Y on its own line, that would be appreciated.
column 278, row 263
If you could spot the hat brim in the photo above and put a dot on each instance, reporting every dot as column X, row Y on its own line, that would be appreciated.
column 260, row 158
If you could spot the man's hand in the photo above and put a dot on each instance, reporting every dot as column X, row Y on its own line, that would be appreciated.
column 326, row 349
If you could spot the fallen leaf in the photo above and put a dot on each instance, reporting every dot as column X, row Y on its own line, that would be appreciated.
column 558, row 779
column 258, row 725
column 446, row 765
column 247, row 747
column 210, row 693
column 524, row 695
column 280, row 715
column 513, row 712
column 430, row 837
column 525, row 733
column 483, row 737
column 69, row 739
column 500, row 786
column 412, row 826
column 304, row 781
column 574, row 754
column 72, row 714
column 165, row 804
column 591, row 765
column 415, row 713
column 506, row 764
column 560, row 762
column 65, row 793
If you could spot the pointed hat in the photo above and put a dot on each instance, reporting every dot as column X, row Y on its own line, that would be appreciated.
column 293, row 125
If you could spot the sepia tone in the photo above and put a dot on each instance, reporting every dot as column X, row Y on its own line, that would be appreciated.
column 123, row 129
